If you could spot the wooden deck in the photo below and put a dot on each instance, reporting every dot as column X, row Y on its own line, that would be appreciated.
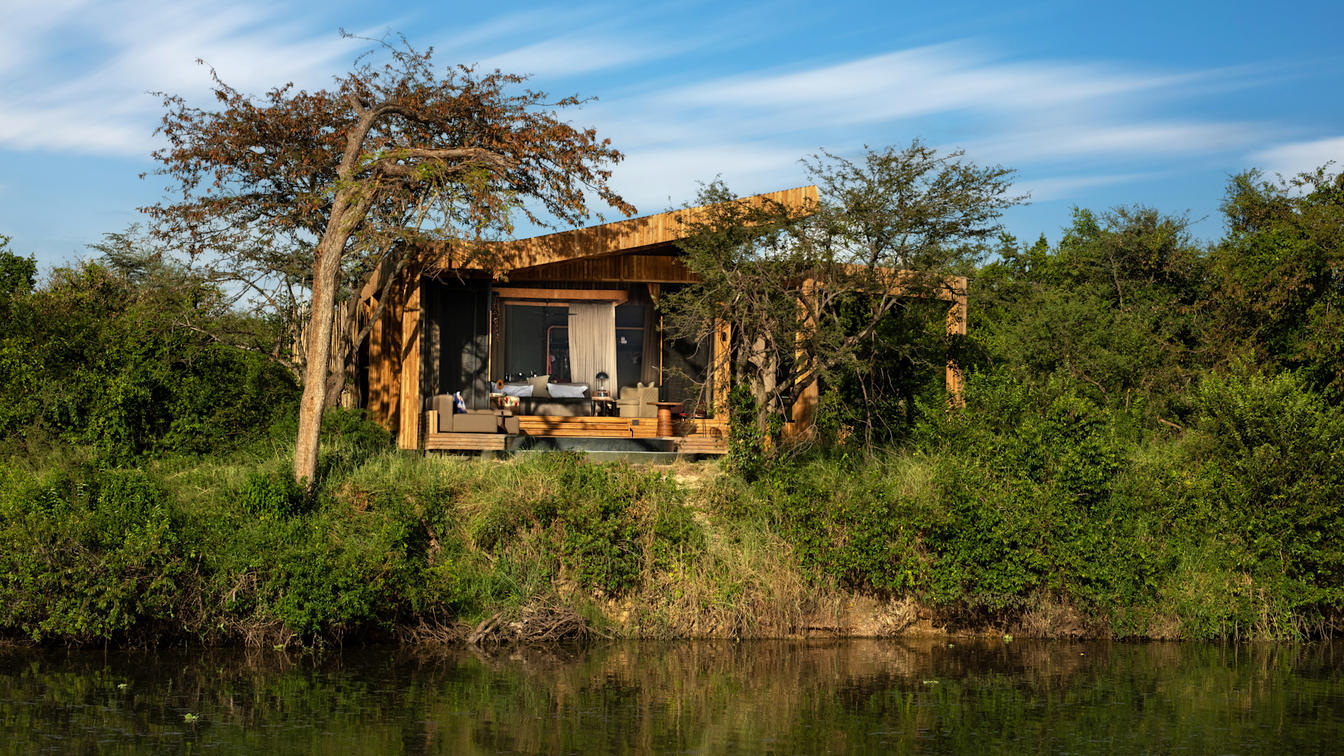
column 694, row 436
column 466, row 441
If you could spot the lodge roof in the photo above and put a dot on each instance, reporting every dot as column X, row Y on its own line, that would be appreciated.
column 608, row 238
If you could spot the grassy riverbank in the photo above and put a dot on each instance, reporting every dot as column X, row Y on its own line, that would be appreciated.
column 1152, row 447
column 1033, row 518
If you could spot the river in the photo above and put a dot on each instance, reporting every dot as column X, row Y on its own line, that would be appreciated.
column 776, row 697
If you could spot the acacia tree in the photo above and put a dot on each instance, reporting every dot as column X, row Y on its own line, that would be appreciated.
column 319, row 190
column 806, row 289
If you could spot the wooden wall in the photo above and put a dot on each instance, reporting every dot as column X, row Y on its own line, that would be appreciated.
column 633, row 268
column 395, row 364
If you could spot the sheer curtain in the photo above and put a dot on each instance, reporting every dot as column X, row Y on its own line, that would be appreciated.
column 592, row 342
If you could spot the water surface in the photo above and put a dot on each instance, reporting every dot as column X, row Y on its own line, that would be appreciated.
column 868, row 696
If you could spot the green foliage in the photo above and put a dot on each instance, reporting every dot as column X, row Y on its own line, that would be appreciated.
column 235, row 551
column 273, row 496
column 848, row 526
column 606, row 524
column 747, row 455
column 1014, row 502
column 1151, row 445
column 17, row 274
column 1264, row 470
column 810, row 290
column 100, row 354
column 87, row 554
column 1115, row 310
column 1278, row 276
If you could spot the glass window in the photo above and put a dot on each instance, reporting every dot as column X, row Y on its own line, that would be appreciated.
column 536, row 341
column 630, row 343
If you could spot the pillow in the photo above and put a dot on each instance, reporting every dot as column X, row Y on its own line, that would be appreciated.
column 539, row 385
column 518, row 389
column 567, row 390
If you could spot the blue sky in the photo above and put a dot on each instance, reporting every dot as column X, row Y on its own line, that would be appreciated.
column 1095, row 104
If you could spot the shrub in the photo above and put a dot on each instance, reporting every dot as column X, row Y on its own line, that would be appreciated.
column 1262, row 476
column 87, row 555
column 272, row 496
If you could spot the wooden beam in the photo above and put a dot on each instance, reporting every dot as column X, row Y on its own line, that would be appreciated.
column 956, row 326
column 409, row 398
column 608, row 238
column 466, row 441
column 721, row 366
column 385, row 359
column 619, row 296
column 617, row 268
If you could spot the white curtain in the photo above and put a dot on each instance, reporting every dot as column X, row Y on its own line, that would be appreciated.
column 592, row 343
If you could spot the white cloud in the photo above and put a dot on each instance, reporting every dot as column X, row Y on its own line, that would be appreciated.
column 24, row 25
column 1010, row 112
column 921, row 81
column 656, row 178
column 1059, row 187
column 1293, row 158
column 81, row 81
column 1105, row 140
column 77, row 71
column 567, row 56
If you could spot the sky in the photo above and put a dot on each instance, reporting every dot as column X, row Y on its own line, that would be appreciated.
column 1094, row 105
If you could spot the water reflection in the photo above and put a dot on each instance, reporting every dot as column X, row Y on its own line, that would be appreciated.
column 764, row 697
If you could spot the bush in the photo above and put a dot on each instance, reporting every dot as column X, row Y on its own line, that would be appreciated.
column 87, row 555
column 1262, row 478
column 605, row 524
column 97, row 356
column 271, row 496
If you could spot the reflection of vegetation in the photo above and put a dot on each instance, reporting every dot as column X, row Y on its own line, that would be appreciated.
column 704, row 697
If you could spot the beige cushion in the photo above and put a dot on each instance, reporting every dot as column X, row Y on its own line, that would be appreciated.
column 634, row 401
column 539, row 386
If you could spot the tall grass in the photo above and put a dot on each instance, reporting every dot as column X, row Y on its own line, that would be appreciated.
column 1037, row 516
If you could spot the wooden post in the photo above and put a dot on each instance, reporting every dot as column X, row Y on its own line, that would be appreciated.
column 805, row 406
column 382, row 362
column 956, row 326
column 721, row 372
column 410, row 399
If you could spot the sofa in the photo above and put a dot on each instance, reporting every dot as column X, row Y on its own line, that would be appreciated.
column 449, row 420
column 534, row 398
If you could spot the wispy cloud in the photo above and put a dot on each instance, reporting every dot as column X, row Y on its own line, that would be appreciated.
column 921, row 81
column 81, row 80
column 1069, row 141
column 568, row 56
column 1059, row 187
column 1293, row 158
column 77, row 73
column 959, row 95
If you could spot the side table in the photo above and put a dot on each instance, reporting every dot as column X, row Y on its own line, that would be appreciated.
column 665, row 417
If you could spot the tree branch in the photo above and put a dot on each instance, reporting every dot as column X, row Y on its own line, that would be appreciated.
column 286, row 364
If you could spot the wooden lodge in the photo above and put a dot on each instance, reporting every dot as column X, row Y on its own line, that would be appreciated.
column 560, row 339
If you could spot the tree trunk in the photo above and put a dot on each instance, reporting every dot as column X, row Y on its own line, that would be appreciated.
column 336, row 381
column 318, row 349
